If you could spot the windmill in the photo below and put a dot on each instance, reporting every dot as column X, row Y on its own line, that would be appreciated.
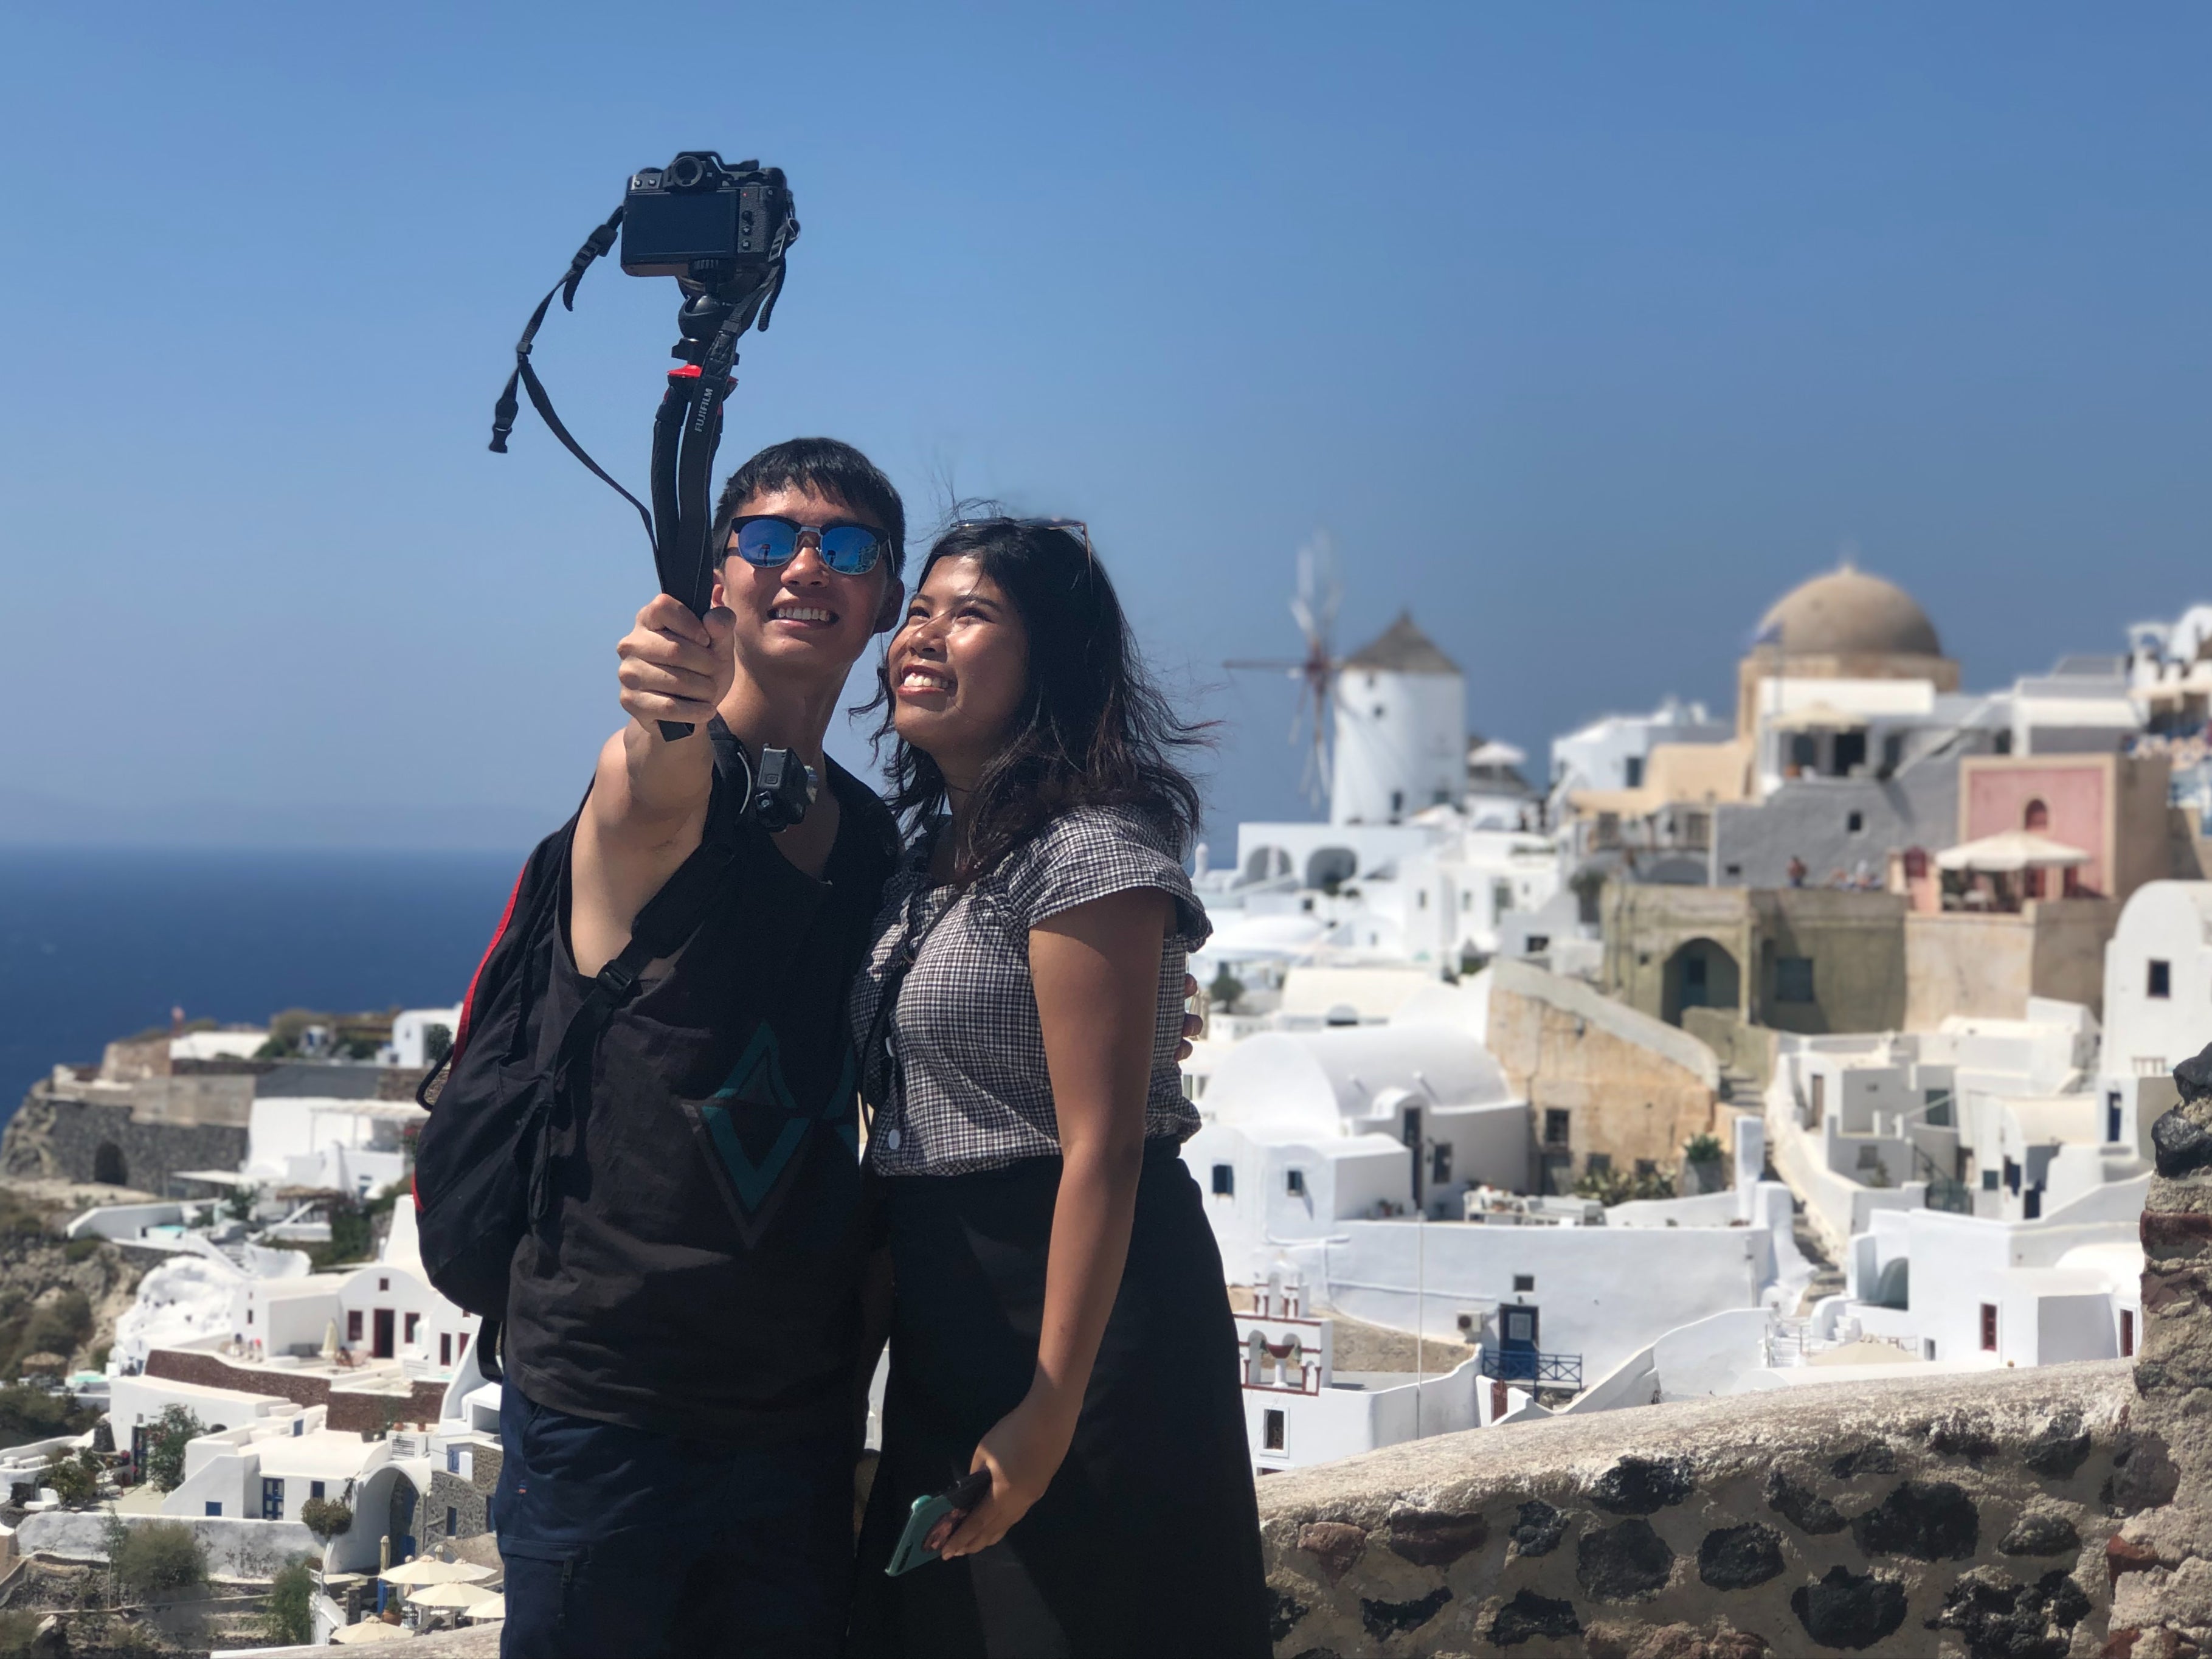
column 1313, row 607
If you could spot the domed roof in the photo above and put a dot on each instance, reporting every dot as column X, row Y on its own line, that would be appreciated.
column 1847, row 612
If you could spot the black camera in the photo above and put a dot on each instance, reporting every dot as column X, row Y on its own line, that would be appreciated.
column 702, row 220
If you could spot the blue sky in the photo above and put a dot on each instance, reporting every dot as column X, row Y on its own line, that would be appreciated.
column 1588, row 330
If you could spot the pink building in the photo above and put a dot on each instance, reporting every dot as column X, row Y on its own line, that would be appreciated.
column 2113, row 807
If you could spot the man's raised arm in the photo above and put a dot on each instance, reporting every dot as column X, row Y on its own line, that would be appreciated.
column 648, row 802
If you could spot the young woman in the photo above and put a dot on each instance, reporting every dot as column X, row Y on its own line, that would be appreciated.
column 1060, row 1319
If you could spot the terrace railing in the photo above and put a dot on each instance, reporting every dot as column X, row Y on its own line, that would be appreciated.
column 1558, row 1371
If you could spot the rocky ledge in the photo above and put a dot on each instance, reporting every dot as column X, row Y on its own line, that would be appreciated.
column 1956, row 1514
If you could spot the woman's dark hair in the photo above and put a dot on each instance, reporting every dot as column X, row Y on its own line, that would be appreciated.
column 827, row 468
column 1093, row 730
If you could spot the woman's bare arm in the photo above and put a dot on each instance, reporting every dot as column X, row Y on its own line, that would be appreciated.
column 1096, row 970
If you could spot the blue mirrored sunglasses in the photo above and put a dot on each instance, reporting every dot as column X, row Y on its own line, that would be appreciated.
column 850, row 549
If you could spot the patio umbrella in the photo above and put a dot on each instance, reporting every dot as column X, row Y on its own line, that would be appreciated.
column 423, row 1571
column 468, row 1597
column 484, row 1612
column 370, row 1630
column 2014, row 850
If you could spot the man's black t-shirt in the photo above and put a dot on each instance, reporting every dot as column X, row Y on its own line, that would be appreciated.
column 699, row 1273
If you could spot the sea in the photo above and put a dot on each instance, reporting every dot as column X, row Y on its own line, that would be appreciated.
column 100, row 944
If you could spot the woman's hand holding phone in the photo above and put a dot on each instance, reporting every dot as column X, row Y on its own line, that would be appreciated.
column 1022, row 1452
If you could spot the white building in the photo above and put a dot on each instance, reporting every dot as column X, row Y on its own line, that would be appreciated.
column 334, row 1145
column 2158, row 994
column 1400, row 729
column 1299, row 1409
column 1612, row 752
column 412, row 1040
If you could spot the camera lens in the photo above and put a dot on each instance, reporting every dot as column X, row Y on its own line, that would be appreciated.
column 686, row 173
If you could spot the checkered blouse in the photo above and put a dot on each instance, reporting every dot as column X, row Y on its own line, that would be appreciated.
column 962, row 1085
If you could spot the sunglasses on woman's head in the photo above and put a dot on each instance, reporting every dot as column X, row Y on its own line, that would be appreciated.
column 768, row 540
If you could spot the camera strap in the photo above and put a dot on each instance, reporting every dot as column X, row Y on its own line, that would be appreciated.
column 503, row 415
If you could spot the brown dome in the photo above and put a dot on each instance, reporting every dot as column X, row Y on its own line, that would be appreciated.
column 1848, row 613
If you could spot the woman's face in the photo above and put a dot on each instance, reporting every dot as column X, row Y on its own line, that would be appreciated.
column 959, row 668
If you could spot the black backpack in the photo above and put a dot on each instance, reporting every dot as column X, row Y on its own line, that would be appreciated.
column 482, row 1161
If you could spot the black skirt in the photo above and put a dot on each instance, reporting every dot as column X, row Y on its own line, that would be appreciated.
column 1147, row 1541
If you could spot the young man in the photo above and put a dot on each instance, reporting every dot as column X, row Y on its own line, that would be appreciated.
column 684, row 1330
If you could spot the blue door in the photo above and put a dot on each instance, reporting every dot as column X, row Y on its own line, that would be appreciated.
column 1517, row 1326
column 272, row 1500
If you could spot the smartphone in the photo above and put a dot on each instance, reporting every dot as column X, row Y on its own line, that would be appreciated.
column 913, row 1552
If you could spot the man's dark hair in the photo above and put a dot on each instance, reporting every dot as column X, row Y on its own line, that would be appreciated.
column 1093, row 731
column 827, row 468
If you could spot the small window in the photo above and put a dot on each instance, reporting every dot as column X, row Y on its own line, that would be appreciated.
column 1294, row 1183
column 1988, row 1328
column 1421, row 899
column 2127, row 1333
column 1467, row 901
column 353, row 1325
column 453, row 1460
column 1854, row 823
column 1632, row 771
column 1224, row 1180
column 1272, row 1431
column 315, row 1489
column 1556, row 1125
column 414, row 1322
column 453, row 1521
column 445, row 1347
column 249, row 1315
column 1523, row 1282
column 1440, row 1163
column 1732, row 870
column 383, row 1285
column 1989, row 1180
column 2036, row 818
column 1793, row 978
column 1598, row 1164
column 2159, row 981
column 213, row 1508
column 1539, row 943
column 1646, row 1167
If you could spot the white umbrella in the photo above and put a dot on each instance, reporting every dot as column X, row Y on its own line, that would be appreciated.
column 2014, row 850
column 485, row 1612
column 468, row 1596
column 369, row 1631
column 423, row 1571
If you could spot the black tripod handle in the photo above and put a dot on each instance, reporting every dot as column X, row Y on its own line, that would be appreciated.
column 672, row 731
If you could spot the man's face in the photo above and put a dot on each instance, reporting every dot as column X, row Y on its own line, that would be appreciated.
column 802, row 618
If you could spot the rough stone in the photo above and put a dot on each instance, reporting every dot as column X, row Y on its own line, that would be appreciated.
column 2169, row 1235
column 1429, row 1537
column 2146, row 1476
column 1801, row 1507
column 2002, row 1619
column 1927, row 1520
column 2180, row 1147
column 2040, row 1533
column 2059, row 1448
column 1529, row 1616
column 1643, row 1486
column 1283, row 1613
column 1737, row 1558
column 1850, row 1610
column 1538, row 1529
column 1623, row 1563
column 1674, row 1641
column 2125, row 1555
column 1874, row 1458
column 1337, row 1545
column 1961, row 1434
column 1384, row 1620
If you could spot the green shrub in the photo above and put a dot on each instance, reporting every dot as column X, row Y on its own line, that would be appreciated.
column 28, row 1413
column 1225, row 989
column 82, row 1249
column 18, row 1626
column 161, row 1558
column 165, row 1447
column 291, row 1616
column 325, row 1517
column 99, row 1355
column 74, row 1481
column 1703, row 1149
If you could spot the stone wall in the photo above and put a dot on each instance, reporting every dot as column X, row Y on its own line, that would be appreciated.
column 1970, row 1514
column 58, row 1138
column 466, row 1501
column 2168, row 1600
column 1633, row 1088
column 350, row 1408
